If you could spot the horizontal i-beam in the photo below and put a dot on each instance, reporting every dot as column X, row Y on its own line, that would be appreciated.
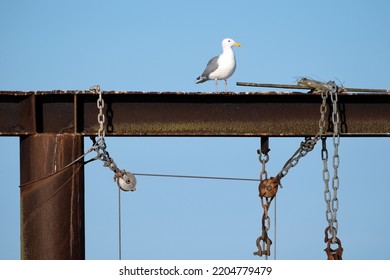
column 188, row 113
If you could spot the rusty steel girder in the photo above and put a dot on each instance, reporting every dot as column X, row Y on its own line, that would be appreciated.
column 188, row 113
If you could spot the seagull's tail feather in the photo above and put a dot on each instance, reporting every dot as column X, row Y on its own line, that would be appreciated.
column 200, row 79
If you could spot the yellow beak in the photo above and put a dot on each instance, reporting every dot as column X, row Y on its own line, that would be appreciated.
column 237, row 44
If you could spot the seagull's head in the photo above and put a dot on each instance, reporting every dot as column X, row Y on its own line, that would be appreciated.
column 229, row 43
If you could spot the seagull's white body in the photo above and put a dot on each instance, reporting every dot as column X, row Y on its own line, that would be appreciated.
column 220, row 67
column 226, row 65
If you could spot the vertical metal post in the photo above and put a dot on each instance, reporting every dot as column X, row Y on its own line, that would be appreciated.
column 52, row 207
column 264, row 145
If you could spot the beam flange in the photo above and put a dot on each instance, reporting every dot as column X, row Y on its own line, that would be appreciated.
column 188, row 113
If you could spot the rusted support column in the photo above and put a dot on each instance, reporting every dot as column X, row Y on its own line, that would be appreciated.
column 52, row 207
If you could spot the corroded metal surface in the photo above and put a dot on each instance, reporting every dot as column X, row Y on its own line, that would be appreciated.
column 52, row 207
column 189, row 113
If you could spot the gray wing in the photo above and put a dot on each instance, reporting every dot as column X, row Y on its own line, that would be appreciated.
column 211, row 66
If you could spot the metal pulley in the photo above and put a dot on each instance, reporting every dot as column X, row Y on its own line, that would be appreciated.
column 126, row 181
column 268, row 187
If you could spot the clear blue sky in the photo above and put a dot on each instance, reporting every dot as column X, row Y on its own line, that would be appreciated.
column 164, row 46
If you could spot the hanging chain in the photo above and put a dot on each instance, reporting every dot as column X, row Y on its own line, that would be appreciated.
column 303, row 150
column 263, row 158
column 267, row 192
column 323, row 110
column 125, row 180
column 336, row 160
column 332, row 202
column 310, row 142
column 101, row 118
column 268, row 187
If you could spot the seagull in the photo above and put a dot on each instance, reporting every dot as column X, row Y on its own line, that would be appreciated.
column 220, row 67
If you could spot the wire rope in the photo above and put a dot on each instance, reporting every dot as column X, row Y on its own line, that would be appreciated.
column 196, row 177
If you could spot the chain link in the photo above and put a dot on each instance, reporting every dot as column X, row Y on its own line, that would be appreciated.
column 263, row 242
column 101, row 117
column 263, row 158
column 310, row 142
column 305, row 147
column 326, row 179
column 268, row 187
column 333, row 223
column 323, row 110
column 125, row 180
column 331, row 201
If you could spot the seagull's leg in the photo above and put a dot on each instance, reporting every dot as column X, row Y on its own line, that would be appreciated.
column 225, row 85
column 216, row 85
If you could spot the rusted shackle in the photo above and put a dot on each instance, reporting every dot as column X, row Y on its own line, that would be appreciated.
column 333, row 254
column 263, row 239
